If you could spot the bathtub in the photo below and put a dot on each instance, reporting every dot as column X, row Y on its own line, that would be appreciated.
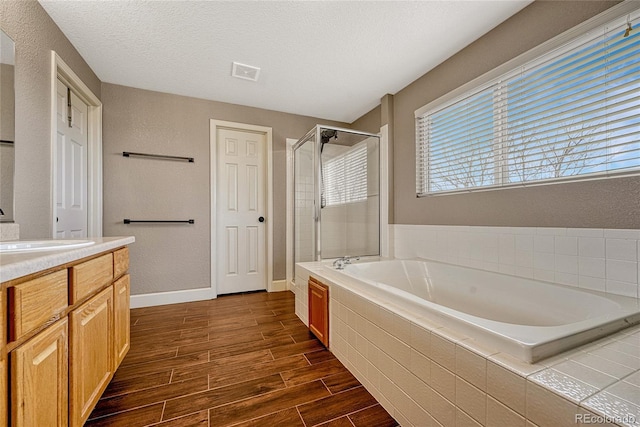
column 526, row 318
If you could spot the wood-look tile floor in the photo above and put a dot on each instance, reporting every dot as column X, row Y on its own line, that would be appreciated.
column 239, row 360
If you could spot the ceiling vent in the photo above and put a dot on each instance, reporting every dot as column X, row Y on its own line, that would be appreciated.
column 246, row 72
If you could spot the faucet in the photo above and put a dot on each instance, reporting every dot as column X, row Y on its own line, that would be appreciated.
column 342, row 261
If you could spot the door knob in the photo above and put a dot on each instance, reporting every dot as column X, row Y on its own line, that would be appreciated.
column 261, row 219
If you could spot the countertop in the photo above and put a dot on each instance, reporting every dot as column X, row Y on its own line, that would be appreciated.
column 14, row 265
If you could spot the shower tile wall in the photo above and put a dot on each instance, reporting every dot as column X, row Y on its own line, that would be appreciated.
column 605, row 260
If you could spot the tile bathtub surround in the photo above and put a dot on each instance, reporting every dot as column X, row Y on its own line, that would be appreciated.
column 606, row 260
column 436, row 376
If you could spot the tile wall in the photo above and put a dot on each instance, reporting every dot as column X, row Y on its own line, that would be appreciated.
column 606, row 260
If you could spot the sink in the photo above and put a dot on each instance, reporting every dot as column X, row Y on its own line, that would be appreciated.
column 42, row 245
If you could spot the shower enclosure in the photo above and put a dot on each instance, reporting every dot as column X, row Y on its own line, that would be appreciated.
column 336, row 194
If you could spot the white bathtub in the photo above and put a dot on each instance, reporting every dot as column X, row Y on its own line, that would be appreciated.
column 527, row 318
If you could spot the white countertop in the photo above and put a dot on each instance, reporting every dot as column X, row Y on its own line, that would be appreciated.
column 14, row 265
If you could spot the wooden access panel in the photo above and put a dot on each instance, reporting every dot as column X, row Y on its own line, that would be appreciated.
column 319, row 310
column 91, row 357
column 121, row 291
column 39, row 379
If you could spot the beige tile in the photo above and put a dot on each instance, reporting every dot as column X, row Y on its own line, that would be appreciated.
column 633, row 379
column 412, row 386
column 420, row 366
column 405, row 405
column 515, row 365
column 585, row 417
column 442, row 410
column 507, row 387
column 546, row 409
column 443, row 352
column 585, row 374
column 443, row 381
column 564, row 385
column 617, row 357
column 471, row 367
column 464, row 420
column 499, row 415
column 615, row 408
column 605, row 366
column 402, row 420
column 401, row 329
column 626, row 391
column 471, row 400
column 421, row 339
column 413, row 412
column 395, row 348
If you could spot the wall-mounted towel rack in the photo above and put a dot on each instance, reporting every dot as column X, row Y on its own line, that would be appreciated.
column 157, row 156
column 180, row 221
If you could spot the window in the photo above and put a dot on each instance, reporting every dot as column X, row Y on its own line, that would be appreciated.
column 345, row 177
column 571, row 113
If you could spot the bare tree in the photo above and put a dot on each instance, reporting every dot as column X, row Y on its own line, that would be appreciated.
column 467, row 169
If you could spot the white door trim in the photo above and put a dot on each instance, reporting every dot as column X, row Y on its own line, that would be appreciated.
column 59, row 69
column 268, row 132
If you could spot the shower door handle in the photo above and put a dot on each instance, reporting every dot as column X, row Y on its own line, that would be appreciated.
column 261, row 219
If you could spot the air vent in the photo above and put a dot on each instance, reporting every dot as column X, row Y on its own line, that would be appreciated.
column 246, row 72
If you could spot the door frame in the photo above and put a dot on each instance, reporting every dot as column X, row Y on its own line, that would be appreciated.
column 59, row 69
column 213, row 169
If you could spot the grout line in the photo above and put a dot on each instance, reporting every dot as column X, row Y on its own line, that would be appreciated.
column 164, row 405
column 300, row 415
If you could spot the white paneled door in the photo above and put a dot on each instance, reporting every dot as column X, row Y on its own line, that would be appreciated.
column 70, row 166
column 241, row 208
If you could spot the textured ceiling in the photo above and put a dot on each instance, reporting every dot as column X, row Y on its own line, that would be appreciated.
column 329, row 59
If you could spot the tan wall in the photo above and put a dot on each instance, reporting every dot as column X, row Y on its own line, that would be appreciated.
column 612, row 203
column 370, row 122
column 167, row 258
column 35, row 35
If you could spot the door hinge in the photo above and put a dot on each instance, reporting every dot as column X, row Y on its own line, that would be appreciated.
column 69, row 106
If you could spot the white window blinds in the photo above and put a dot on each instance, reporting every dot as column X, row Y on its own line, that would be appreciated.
column 571, row 113
column 345, row 177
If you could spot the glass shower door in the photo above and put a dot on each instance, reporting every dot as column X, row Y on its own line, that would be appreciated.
column 304, row 200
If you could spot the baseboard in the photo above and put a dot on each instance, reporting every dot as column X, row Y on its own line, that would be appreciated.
column 172, row 297
column 278, row 286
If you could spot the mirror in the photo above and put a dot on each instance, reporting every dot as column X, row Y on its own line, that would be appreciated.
column 7, row 126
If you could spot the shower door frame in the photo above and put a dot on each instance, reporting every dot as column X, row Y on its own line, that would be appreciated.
column 318, row 186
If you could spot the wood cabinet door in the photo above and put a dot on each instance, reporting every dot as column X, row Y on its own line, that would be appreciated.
column 4, row 373
column 319, row 310
column 121, row 292
column 91, row 356
column 39, row 379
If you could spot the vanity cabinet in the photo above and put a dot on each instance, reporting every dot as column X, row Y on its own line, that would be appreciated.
column 68, row 331
column 40, row 380
column 4, row 373
column 121, row 341
column 91, row 362
column 319, row 310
